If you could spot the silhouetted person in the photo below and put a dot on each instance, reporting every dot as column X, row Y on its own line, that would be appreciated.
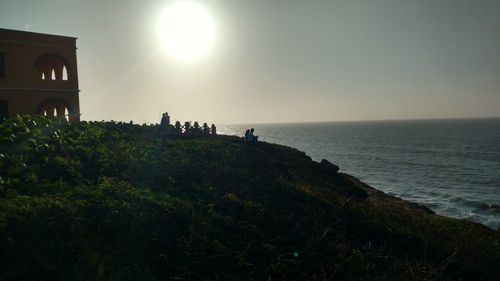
column 247, row 132
column 256, row 138
column 213, row 130
column 164, row 122
column 187, row 128
column 167, row 119
column 206, row 129
column 178, row 127
column 196, row 128
column 251, row 137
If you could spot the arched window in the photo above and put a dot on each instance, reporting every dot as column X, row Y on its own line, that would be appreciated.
column 55, row 107
column 52, row 67
column 65, row 73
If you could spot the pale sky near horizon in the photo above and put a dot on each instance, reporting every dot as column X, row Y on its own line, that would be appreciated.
column 282, row 61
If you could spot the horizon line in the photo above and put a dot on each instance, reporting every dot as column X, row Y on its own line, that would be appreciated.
column 365, row 120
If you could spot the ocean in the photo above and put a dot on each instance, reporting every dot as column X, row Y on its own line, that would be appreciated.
column 450, row 166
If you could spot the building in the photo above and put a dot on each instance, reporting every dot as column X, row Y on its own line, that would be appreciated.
column 38, row 75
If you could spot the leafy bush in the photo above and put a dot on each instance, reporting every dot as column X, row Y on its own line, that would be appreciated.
column 116, row 201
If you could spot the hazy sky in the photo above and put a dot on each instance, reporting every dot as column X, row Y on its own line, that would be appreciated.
column 282, row 61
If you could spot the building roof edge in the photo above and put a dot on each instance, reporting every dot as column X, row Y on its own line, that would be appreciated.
column 38, row 33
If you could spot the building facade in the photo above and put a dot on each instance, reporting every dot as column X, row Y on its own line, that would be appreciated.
column 38, row 75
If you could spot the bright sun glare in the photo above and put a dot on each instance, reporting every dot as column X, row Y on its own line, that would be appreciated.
column 186, row 30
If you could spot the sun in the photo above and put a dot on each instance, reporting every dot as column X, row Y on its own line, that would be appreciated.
column 186, row 30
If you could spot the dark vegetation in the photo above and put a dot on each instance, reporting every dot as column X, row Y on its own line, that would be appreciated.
column 107, row 201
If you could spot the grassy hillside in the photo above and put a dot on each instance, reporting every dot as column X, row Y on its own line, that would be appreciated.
column 106, row 201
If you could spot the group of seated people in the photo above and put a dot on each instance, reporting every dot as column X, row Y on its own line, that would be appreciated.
column 196, row 129
column 187, row 129
column 249, row 136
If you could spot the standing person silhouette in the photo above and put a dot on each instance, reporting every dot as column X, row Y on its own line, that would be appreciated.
column 163, row 122
column 167, row 119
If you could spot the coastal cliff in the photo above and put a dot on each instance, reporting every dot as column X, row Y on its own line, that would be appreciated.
column 108, row 201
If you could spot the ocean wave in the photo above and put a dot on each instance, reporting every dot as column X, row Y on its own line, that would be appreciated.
column 477, row 204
